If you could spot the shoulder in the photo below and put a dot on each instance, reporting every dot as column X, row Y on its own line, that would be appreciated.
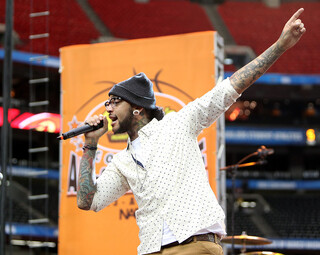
column 121, row 156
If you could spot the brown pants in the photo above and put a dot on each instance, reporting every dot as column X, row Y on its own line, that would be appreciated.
column 193, row 248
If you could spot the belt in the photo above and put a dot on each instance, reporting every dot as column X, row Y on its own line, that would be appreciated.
column 210, row 237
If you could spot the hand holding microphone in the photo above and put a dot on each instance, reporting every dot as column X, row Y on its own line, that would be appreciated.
column 92, row 124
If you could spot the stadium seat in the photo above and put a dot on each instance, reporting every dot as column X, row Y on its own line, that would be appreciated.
column 130, row 20
column 256, row 25
column 67, row 25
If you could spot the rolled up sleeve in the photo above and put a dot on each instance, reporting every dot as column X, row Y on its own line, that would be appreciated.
column 205, row 110
column 110, row 186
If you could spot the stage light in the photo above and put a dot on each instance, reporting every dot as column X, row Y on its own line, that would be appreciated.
column 248, row 204
column 311, row 136
column 234, row 114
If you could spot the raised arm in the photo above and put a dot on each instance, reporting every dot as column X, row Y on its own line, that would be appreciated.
column 291, row 34
column 86, row 182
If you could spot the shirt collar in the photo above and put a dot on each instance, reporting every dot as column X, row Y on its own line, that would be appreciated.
column 149, row 128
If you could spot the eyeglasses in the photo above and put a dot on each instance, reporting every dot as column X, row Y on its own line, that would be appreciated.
column 112, row 102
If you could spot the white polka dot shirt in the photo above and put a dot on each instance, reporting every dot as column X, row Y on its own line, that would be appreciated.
column 172, row 184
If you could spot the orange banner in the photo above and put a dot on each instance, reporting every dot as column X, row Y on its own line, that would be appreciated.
column 181, row 68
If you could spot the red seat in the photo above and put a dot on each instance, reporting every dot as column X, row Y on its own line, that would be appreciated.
column 67, row 25
column 256, row 25
column 128, row 19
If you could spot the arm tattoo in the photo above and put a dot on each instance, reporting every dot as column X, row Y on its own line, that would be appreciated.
column 86, row 186
column 251, row 72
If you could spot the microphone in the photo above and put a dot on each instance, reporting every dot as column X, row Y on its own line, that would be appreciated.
column 263, row 151
column 79, row 130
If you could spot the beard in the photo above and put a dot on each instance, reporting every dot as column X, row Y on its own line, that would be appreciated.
column 124, row 125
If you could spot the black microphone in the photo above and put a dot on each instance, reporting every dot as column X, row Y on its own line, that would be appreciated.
column 263, row 151
column 79, row 130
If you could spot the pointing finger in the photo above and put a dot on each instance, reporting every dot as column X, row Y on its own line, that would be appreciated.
column 296, row 15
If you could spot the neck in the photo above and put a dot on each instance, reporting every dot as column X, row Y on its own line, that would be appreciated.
column 138, row 122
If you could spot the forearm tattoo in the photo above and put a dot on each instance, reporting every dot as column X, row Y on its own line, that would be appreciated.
column 86, row 187
column 248, row 74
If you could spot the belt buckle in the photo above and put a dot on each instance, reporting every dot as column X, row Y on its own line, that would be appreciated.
column 212, row 237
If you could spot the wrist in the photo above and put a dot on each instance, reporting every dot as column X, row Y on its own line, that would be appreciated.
column 280, row 47
column 89, row 147
column 91, row 142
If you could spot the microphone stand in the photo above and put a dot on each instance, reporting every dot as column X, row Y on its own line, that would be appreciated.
column 233, row 170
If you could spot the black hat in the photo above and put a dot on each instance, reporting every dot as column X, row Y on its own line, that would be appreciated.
column 137, row 90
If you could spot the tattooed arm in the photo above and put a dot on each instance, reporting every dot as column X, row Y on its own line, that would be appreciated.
column 247, row 75
column 86, row 182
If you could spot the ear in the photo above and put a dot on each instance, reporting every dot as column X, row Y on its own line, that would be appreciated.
column 137, row 110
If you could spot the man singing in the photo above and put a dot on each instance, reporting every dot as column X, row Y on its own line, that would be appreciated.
column 178, row 213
